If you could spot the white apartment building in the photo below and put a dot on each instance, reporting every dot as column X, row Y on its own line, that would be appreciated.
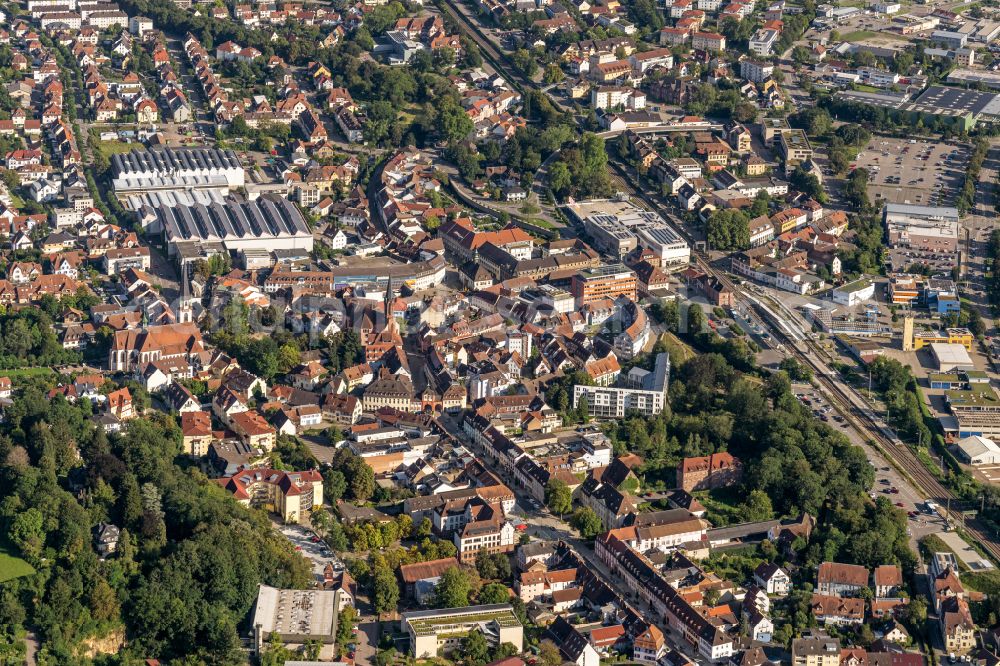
column 763, row 42
column 756, row 71
column 613, row 97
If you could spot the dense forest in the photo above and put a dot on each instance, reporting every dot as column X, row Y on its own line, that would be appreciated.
column 188, row 562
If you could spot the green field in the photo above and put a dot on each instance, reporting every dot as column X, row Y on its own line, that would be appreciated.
column 113, row 147
column 11, row 566
column 27, row 372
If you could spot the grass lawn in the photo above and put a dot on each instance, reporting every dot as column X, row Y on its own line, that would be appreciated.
column 11, row 566
column 27, row 372
column 541, row 222
column 987, row 582
column 109, row 148
column 679, row 347
column 721, row 505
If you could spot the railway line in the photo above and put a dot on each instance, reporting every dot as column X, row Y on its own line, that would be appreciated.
column 847, row 401
column 487, row 48
column 861, row 416
column 851, row 406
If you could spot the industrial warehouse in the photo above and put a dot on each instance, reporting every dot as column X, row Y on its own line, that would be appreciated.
column 172, row 168
column 268, row 223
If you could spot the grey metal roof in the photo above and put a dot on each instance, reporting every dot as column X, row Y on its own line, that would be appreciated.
column 171, row 160
column 232, row 219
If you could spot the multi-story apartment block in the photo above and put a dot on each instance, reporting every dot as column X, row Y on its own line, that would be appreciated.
column 289, row 494
column 708, row 41
column 794, row 146
column 763, row 42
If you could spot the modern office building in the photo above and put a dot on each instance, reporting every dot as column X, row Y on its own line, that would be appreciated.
column 608, row 281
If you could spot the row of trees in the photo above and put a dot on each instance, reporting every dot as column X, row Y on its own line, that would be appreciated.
column 993, row 258
column 967, row 195
column 899, row 390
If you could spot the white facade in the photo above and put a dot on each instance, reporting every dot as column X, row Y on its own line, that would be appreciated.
column 763, row 41
column 756, row 71
column 978, row 450
column 853, row 293
column 612, row 402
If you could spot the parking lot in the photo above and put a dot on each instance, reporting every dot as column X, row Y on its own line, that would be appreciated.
column 939, row 263
column 311, row 547
column 821, row 409
column 888, row 482
column 912, row 171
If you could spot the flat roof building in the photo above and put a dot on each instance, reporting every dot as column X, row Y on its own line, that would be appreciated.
column 296, row 617
column 853, row 293
column 930, row 228
column 949, row 357
column 619, row 226
column 432, row 631
column 608, row 281
column 794, row 145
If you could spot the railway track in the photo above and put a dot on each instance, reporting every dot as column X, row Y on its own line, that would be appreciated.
column 860, row 415
column 851, row 406
column 487, row 48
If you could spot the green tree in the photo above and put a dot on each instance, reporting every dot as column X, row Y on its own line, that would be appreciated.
column 586, row 522
column 548, row 654
column 453, row 123
column 696, row 318
column 104, row 605
column 807, row 183
column 334, row 485
column 345, row 626
column 756, row 508
column 475, row 649
column 560, row 178
column 493, row 593
column 453, row 589
column 728, row 229
column 27, row 533
column 553, row 74
column 558, row 497
column 385, row 590
column 524, row 62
